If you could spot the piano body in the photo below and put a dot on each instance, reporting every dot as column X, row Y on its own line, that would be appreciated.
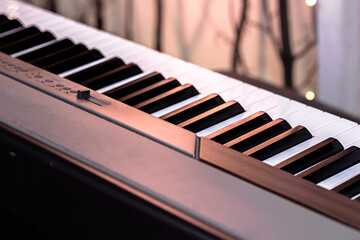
column 79, row 163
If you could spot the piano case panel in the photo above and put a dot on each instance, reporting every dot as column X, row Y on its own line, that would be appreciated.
column 45, row 195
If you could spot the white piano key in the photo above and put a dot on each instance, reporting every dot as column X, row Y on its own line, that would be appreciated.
column 115, row 49
column 340, row 177
column 267, row 103
column 301, row 115
column 355, row 196
column 44, row 18
column 148, row 64
column 188, row 70
column 319, row 120
column 285, row 109
column 204, row 83
column 30, row 15
column 253, row 97
column 26, row 13
column 123, row 53
column 55, row 25
column 164, row 65
column 126, row 53
column 143, row 55
column 220, row 85
column 182, row 68
column 334, row 128
column 24, row 7
column 193, row 76
column 90, row 39
column 66, row 29
column 112, row 43
column 103, row 43
column 237, row 91
column 350, row 136
column 356, row 144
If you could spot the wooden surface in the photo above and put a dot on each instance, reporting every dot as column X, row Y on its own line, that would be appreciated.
column 329, row 203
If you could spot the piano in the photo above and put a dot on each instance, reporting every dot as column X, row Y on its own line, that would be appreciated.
column 103, row 138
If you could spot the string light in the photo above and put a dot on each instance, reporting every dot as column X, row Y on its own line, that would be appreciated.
column 310, row 3
column 310, row 95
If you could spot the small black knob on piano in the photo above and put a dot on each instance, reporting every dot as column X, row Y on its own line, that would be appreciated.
column 85, row 94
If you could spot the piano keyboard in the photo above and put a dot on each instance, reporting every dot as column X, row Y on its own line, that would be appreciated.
column 227, row 115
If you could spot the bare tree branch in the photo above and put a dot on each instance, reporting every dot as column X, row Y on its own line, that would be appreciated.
column 231, row 15
column 129, row 19
column 159, row 20
column 219, row 33
column 99, row 13
column 312, row 71
column 269, row 27
column 309, row 76
column 237, row 59
column 241, row 62
column 196, row 36
column 309, row 45
column 52, row 5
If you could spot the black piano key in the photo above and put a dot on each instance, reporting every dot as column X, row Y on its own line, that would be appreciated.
column 41, row 52
column 58, row 56
column 150, row 91
column 74, row 61
column 96, row 70
column 27, row 42
column 9, row 25
column 259, row 135
column 279, row 143
column 18, row 35
column 135, row 85
column 239, row 128
column 311, row 156
column 113, row 76
column 333, row 165
column 308, row 173
column 195, row 108
column 350, row 188
column 168, row 98
column 353, row 190
column 212, row 116
column 3, row 18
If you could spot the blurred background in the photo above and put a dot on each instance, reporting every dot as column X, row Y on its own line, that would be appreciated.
column 308, row 46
